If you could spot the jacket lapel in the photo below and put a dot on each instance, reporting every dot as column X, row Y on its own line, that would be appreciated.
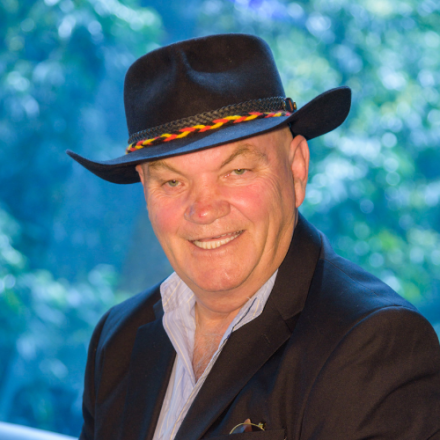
column 151, row 364
column 243, row 355
column 253, row 344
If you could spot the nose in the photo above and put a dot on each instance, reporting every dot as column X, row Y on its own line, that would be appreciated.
column 206, row 208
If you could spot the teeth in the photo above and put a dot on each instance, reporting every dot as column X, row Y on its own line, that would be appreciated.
column 216, row 242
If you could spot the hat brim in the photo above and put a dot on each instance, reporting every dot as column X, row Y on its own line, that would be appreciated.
column 319, row 116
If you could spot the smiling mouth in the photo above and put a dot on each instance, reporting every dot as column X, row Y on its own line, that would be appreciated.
column 216, row 242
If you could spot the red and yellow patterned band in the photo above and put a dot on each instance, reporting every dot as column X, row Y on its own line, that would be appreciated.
column 215, row 124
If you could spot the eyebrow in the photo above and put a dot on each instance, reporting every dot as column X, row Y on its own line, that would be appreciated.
column 160, row 164
column 243, row 150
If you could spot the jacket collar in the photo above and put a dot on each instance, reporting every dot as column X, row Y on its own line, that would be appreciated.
column 296, row 271
column 151, row 364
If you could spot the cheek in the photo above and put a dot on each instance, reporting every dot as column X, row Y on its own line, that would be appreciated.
column 259, row 201
column 164, row 217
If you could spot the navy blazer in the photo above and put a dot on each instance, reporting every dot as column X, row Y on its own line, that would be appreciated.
column 335, row 355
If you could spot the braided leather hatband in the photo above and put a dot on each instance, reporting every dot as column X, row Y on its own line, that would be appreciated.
column 228, row 115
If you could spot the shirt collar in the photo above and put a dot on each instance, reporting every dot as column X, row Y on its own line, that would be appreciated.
column 177, row 295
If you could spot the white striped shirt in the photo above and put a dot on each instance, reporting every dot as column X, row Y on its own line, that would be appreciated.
column 179, row 322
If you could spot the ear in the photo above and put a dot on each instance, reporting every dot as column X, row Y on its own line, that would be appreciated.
column 140, row 170
column 300, row 155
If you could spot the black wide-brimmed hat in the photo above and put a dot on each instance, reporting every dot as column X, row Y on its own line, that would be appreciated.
column 205, row 92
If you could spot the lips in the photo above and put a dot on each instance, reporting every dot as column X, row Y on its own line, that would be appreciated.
column 216, row 242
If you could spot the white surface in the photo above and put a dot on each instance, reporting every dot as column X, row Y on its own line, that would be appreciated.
column 18, row 432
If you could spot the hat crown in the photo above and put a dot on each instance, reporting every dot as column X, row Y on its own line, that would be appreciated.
column 198, row 76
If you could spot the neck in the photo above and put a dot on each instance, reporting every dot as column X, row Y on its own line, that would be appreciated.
column 210, row 328
column 212, row 321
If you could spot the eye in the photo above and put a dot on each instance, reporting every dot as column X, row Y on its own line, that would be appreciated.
column 239, row 171
column 173, row 183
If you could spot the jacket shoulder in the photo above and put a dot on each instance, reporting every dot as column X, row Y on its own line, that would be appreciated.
column 341, row 297
column 126, row 317
column 360, row 338
column 109, row 357
column 348, row 292
column 371, row 343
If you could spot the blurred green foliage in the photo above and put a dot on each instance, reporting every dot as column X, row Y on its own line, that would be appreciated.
column 45, row 327
column 62, row 75
column 61, row 70
column 66, row 237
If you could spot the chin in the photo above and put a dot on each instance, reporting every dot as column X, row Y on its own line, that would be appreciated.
column 218, row 280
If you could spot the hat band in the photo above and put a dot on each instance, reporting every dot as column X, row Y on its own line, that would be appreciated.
column 201, row 128
column 275, row 103
column 162, row 133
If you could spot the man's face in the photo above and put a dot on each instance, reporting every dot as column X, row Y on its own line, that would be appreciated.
column 225, row 216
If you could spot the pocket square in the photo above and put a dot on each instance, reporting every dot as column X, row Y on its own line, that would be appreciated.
column 247, row 426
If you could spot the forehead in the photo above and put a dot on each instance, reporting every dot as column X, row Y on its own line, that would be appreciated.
column 259, row 148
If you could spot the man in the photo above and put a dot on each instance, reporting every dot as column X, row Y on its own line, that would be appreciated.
column 261, row 327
